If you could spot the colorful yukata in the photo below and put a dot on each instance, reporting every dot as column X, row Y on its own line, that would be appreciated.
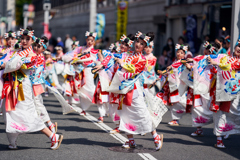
column 225, row 97
column 173, row 91
column 38, row 81
column 134, row 115
column 21, row 115
column 83, row 81
column 50, row 73
column 198, row 103
column 150, row 75
column 100, row 97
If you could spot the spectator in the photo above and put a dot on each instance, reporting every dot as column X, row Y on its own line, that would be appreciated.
column 170, row 48
column 189, row 53
column 68, row 43
column 99, row 44
column 201, row 50
column 74, row 38
column 228, row 45
column 220, row 43
column 181, row 40
column 164, row 61
column 59, row 42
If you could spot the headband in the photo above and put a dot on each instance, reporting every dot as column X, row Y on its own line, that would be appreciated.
column 58, row 48
column 46, row 52
column 238, row 41
column 40, row 42
column 126, row 40
column 182, row 47
column 143, row 37
column 227, row 38
column 208, row 46
column 114, row 47
column 151, row 44
column 17, row 45
column 27, row 33
column 75, row 43
column 10, row 34
column 93, row 34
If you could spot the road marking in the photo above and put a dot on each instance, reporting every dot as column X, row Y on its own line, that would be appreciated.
column 117, row 136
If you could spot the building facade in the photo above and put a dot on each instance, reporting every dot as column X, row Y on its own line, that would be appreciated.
column 166, row 18
column 72, row 18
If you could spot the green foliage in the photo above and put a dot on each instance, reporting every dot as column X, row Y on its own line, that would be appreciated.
column 19, row 11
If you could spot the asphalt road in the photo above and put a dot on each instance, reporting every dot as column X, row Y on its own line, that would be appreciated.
column 84, row 139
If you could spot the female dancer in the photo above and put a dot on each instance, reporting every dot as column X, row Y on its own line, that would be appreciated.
column 172, row 98
column 118, row 52
column 134, row 115
column 150, row 75
column 201, row 115
column 84, row 80
column 38, row 81
column 21, row 115
column 226, row 113
column 7, row 51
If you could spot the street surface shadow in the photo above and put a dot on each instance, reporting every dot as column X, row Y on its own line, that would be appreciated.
column 85, row 141
column 137, row 149
column 79, row 129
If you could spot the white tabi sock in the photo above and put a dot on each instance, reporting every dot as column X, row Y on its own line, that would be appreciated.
column 131, row 139
column 155, row 135
column 52, row 136
column 49, row 123
column 219, row 138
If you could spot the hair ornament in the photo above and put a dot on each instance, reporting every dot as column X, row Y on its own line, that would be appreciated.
column 10, row 34
column 126, row 40
column 143, row 37
column 182, row 47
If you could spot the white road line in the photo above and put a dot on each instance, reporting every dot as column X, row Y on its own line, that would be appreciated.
column 149, row 156
column 141, row 155
column 117, row 136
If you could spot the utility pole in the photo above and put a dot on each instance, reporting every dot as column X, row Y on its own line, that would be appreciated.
column 235, row 26
column 25, row 18
column 92, row 16
column 46, row 8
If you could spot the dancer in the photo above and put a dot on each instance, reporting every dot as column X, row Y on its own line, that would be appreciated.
column 38, row 82
column 57, row 68
column 225, row 108
column 6, row 53
column 21, row 115
column 150, row 75
column 84, row 80
column 200, row 103
column 171, row 86
column 134, row 115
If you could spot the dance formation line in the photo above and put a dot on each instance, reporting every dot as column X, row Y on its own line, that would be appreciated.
column 206, row 85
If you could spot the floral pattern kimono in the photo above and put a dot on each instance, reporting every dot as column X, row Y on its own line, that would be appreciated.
column 134, row 115
column 149, row 75
column 225, row 97
column 21, row 115
column 83, row 79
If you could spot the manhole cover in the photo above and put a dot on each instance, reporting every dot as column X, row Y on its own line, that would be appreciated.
column 138, row 149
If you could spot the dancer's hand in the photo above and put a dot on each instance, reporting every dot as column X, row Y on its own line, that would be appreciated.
column 169, row 68
column 189, row 60
column 159, row 72
column 2, row 66
column 96, row 68
column 188, row 66
column 211, row 61
column 58, row 58
column 119, row 61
